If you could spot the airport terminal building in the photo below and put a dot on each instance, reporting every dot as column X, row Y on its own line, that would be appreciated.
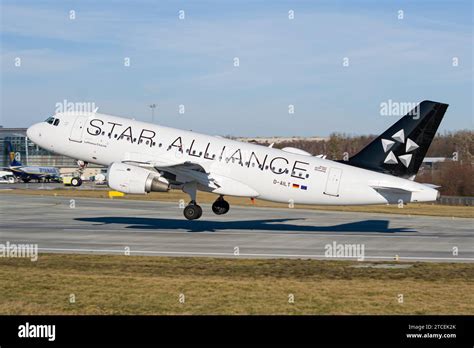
column 31, row 154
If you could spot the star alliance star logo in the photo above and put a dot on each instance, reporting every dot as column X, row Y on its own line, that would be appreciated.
column 399, row 137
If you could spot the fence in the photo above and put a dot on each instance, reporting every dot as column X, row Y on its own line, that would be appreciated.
column 456, row 200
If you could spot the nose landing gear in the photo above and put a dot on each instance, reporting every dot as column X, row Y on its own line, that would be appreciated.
column 77, row 181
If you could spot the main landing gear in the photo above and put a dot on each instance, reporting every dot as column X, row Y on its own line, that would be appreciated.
column 193, row 211
column 220, row 206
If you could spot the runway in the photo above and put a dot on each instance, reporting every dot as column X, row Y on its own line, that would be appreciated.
column 83, row 225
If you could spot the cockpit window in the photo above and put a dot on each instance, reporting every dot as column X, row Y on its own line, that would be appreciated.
column 50, row 120
column 56, row 121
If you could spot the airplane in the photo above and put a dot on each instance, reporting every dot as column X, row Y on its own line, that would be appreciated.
column 28, row 173
column 143, row 157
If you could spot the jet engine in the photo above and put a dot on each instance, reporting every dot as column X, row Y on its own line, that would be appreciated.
column 133, row 179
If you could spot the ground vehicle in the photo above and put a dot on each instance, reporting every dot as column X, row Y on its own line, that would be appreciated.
column 7, row 177
column 71, row 180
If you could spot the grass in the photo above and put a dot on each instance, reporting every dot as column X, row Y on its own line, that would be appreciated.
column 105, row 284
column 428, row 209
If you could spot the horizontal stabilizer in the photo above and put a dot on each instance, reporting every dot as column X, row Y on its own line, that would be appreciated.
column 389, row 188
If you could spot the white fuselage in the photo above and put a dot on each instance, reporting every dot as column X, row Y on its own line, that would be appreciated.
column 263, row 172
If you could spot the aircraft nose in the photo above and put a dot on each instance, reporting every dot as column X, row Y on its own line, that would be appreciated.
column 34, row 132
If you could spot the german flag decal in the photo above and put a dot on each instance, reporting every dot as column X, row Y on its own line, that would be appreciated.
column 296, row 186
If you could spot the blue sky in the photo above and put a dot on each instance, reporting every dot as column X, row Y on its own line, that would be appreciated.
column 282, row 62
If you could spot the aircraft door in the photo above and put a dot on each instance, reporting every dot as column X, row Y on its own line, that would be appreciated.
column 78, row 129
column 333, row 182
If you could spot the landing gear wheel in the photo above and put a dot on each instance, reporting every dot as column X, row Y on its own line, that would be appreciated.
column 199, row 211
column 76, row 182
column 220, row 206
column 192, row 211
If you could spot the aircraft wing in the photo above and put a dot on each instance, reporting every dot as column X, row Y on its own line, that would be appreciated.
column 185, row 165
column 142, row 160
column 186, row 171
column 164, row 165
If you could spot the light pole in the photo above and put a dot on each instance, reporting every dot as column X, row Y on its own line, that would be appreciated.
column 152, row 107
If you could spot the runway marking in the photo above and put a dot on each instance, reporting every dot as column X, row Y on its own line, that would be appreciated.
column 258, row 255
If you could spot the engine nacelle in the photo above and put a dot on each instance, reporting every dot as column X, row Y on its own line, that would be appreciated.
column 132, row 179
